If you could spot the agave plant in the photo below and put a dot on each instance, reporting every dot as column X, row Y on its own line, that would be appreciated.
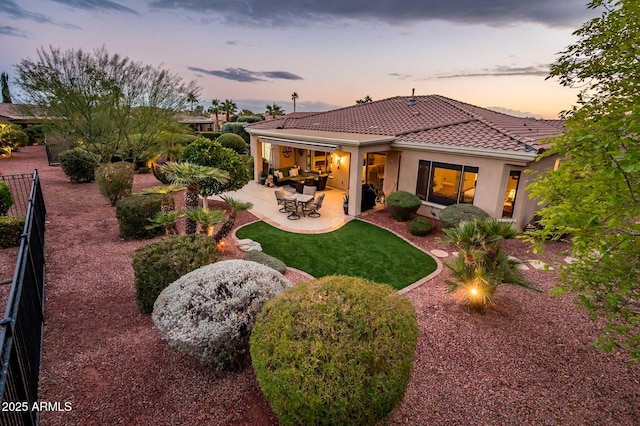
column 236, row 206
column 190, row 175
column 481, row 265
column 207, row 219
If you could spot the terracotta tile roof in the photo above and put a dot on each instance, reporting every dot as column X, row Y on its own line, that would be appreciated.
column 20, row 111
column 428, row 119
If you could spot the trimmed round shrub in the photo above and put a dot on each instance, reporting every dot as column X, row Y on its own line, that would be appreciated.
column 204, row 152
column 11, row 228
column 160, row 263
column 452, row 216
column 336, row 350
column 6, row 199
column 265, row 259
column 420, row 226
column 115, row 180
column 237, row 128
column 210, row 312
column 133, row 214
column 212, row 136
column 233, row 141
column 403, row 205
column 78, row 164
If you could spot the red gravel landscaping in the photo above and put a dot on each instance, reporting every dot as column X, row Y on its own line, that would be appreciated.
column 528, row 360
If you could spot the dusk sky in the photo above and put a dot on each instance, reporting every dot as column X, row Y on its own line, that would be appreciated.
column 490, row 53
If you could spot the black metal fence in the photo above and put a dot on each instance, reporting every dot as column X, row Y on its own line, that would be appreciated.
column 22, row 326
column 54, row 148
column 20, row 188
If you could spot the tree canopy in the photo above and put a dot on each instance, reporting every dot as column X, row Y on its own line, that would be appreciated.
column 105, row 101
column 4, row 85
column 594, row 195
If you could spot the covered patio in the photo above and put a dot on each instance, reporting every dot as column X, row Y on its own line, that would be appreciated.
column 266, row 208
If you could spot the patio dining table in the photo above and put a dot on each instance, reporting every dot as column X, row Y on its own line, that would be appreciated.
column 301, row 199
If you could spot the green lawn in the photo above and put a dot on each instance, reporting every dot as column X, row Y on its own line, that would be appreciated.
column 358, row 249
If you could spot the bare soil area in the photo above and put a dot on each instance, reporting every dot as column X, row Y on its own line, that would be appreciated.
column 526, row 361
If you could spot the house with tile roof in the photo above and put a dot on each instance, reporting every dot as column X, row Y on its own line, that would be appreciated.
column 444, row 151
column 20, row 114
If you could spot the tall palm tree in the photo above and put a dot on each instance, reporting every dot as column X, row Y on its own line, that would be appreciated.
column 294, row 96
column 274, row 110
column 215, row 109
column 229, row 107
column 236, row 207
column 191, row 174
column 192, row 98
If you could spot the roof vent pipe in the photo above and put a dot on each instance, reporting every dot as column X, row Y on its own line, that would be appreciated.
column 413, row 101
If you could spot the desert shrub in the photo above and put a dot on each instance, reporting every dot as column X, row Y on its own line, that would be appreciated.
column 249, row 119
column 420, row 226
column 336, row 350
column 160, row 263
column 212, row 136
column 265, row 259
column 403, row 205
column 6, row 199
column 133, row 215
column 12, row 138
column 452, row 216
column 237, row 128
column 36, row 133
column 207, row 153
column 209, row 313
column 11, row 228
column 234, row 142
column 115, row 180
column 78, row 164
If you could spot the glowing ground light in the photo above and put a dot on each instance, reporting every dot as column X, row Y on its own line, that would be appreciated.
column 473, row 291
column 221, row 245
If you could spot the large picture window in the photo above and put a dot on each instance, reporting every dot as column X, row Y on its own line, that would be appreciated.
column 446, row 184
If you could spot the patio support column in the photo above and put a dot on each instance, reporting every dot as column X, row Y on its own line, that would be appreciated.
column 355, row 179
column 256, row 151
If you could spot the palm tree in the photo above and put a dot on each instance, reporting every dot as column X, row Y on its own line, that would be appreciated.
column 481, row 265
column 229, row 107
column 167, row 215
column 274, row 110
column 192, row 98
column 364, row 100
column 208, row 219
column 236, row 207
column 215, row 109
column 294, row 96
column 191, row 174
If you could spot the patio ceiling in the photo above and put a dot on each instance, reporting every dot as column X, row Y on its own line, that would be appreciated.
column 326, row 147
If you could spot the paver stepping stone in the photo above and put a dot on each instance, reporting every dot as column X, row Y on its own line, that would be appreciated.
column 439, row 253
column 521, row 265
column 538, row 264
column 248, row 244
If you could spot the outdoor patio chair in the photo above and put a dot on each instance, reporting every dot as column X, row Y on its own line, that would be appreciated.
column 280, row 194
column 309, row 190
column 313, row 206
column 291, row 207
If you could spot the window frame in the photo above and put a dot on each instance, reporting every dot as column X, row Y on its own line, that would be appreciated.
column 427, row 168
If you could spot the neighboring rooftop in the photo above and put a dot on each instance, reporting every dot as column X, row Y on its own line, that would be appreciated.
column 431, row 119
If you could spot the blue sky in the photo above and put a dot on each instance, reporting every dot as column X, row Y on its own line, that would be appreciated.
column 492, row 53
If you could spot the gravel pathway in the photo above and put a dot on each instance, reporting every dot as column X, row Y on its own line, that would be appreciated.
column 526, row 361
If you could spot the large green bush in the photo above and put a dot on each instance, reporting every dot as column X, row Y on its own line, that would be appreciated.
column 6, row 199
column 420, row 226
column 403, row 205
column 133, row 215
column 250, row 119
column 238, row 129
column 265, row 259
column 234, row 142
column 160, row 263
column 115, row 180
column 209, row 153
column 11, row 228
column 336, row 350
column 452, row 216
column 78, row 164
column 12, row 138
column 36, row 133
column 209, row 313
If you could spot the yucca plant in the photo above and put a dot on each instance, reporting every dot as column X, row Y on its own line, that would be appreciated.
column 207, row 219
column 236, row 207
column 190, row 175
column 481, row 266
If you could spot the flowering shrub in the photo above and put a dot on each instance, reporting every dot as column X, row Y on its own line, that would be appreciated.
column 115, row 180
column 209, row 313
